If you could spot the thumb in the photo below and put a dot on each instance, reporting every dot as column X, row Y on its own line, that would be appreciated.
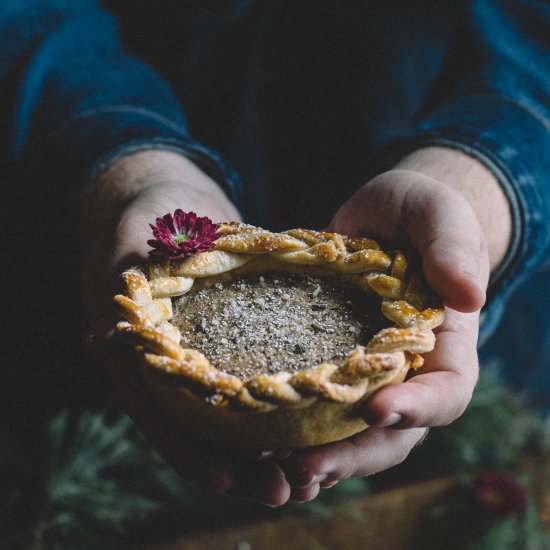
column 401, row 206
column 445, row 231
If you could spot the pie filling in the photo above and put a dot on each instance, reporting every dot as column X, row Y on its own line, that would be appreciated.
column 266, row 324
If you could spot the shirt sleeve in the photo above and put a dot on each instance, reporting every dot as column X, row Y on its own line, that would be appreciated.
column 494, row 104
column 74, row 101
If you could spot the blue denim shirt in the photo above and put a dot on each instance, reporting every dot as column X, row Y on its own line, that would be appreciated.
column 302, row 99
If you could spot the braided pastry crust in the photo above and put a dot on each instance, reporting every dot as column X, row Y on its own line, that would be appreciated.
column 282, row 410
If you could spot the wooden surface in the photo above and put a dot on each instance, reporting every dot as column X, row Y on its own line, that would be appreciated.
column 386, row 521
column 538, row 470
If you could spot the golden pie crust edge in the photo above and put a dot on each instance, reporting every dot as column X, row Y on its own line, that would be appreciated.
column 283, row 410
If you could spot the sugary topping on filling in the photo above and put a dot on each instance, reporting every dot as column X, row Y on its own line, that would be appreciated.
column 266, row 324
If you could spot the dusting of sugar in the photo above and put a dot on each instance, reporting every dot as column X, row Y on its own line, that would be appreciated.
column 267, row 324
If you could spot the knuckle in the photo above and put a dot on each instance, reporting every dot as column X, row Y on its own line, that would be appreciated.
column 352, row 462
column 400, row 455
column 412, row 419
column 406, row 443
column 304, row 470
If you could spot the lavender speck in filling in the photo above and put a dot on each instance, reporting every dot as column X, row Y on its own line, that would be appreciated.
column 266, row 324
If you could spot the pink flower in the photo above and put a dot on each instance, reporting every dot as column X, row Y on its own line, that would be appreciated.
column 500, row 493
column 181, row 235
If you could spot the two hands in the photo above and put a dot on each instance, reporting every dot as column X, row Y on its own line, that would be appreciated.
column 401, row 206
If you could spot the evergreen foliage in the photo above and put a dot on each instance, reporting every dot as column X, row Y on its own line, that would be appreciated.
column 102, row 486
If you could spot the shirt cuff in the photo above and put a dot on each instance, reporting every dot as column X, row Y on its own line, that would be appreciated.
column 98, row 138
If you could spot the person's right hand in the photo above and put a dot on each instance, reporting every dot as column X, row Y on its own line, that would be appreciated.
column 405, row 208
column 119, row 245
column 452, row 211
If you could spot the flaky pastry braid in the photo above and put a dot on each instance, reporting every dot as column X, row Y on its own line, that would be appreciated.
column 146, row 309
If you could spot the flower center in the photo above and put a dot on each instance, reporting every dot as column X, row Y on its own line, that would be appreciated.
column 182, row 237
column 496, row 497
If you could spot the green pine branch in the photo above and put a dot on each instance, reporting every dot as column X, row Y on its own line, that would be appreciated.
column 102, row 485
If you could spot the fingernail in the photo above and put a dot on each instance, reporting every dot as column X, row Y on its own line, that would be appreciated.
column 391, row 420
column 329, row 484
column 319, row 478
column 220, row 481
column 269, row 505
column 311, row 481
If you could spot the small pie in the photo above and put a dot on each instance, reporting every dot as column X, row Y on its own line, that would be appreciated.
column 272, row 340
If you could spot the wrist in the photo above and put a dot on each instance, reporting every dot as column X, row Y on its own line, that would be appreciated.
column 476, row 184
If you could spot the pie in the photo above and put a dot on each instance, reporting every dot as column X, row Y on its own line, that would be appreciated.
column 271, row 340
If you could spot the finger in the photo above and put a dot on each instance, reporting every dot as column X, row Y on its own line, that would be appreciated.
column 400, row 207
column 305, row 494
column 366, row 453
column 282, row 454
column 193, row 457
column 264, row 482
column 374, row 211
column 133, row 231
column 108, row 256
column 328, row 484
column 220, row 480
column 442, row 389
column 241, row 471
column 98, row 338
column 129, row 242
column 444, row 229
column 98, row 285
column 277, row 455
